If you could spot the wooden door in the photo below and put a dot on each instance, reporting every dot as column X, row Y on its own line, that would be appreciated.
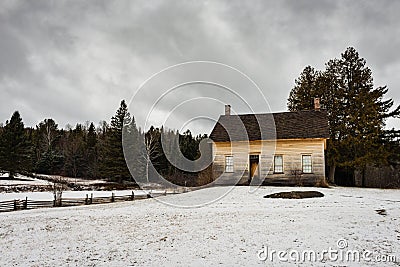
column 253, row 170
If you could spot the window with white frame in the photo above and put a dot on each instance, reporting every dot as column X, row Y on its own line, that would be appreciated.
column 228, row 163
column 278, row 164
column 307, row 163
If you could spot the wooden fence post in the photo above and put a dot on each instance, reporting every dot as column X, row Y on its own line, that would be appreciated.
column 91, row 198
column 87, row 199
column 26, row 203
column 57, row 202
column 133, row 196
column 112, row 197
column 15, row 204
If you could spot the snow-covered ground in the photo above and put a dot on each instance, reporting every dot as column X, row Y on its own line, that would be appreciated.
column 21, row 180
column 78, row 181
column 228, row 232
column 46, row 180
column 43, row 183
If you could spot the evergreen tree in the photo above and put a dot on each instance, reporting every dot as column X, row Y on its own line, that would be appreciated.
column 114, row 166
column 13, row 146
column 301, row 96
column 91, row 139
column 391, row 141
column 356, row 111
column 91, row 154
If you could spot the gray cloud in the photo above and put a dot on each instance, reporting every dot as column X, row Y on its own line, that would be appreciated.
column 75, row 60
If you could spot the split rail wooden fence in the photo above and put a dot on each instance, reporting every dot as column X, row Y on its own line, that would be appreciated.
column 26, row 204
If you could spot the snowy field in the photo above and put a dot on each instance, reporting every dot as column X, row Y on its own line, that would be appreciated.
column 47, row 180
column 21, row 180
column 77, row 181
column 228, row 232
column 43, row 183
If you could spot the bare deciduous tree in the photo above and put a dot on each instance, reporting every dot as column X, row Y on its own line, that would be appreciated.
column 153, row 149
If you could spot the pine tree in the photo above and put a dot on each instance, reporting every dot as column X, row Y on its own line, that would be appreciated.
column 13, row 146
column 392, row 144
column 91, row 153
column 301, row 96
column 356, row 111
column 91, row 139
column 114, row 166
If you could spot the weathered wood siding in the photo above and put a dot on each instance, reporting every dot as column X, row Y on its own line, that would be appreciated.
column 291, row 150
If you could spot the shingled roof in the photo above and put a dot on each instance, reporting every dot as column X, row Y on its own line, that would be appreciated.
column 288, row 125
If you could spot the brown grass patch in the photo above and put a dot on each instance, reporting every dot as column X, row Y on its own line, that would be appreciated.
column 295, row 194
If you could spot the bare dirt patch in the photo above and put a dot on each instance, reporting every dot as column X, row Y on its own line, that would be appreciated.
column 295, row 195
column 381, row 212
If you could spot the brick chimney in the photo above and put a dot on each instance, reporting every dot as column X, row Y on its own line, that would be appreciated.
column 317, row 104
column 227, row 110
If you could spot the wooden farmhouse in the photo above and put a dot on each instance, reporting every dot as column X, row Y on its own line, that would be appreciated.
column 285, row 148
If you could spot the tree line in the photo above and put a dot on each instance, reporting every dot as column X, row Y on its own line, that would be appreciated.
column 357, row 112
column 91, row 152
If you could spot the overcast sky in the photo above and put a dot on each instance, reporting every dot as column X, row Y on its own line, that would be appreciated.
column 75, row 60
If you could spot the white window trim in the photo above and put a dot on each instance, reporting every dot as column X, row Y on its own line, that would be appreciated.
column 274, row 171
column 302, row 163
column 233, row 164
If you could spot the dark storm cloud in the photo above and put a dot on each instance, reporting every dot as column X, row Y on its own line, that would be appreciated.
column 75, row 60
